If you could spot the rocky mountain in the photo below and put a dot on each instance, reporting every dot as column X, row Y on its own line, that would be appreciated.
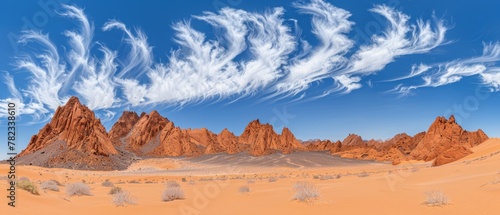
column 446, row 136
column 74, row 138
column 123, row 126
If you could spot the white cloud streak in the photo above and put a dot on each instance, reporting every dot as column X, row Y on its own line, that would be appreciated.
column 485, row 67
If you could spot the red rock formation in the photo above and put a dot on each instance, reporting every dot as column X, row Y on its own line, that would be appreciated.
column 262, row 139
column 454, row 153
column 123, row 126
column 146, row 128
column 205, row 138
column 74, row 138
column 354, row 141
column 76, row 125
column 175, row 142
column 443, row 135
column 324, row 145
column 230, row 142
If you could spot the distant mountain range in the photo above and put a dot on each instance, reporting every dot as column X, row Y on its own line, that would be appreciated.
column 76, row 139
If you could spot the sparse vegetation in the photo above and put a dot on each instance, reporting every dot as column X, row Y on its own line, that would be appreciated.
column 184, row 180
column 244, row 189
column 436, row 198
column 363, row 174
column 115, row 190
column 272, row 179
column 172, row 192
column 78, row 189
column 107, row 183
column 192, row 182
column 305, row 192
column 251, row 181
column 123, row 198
column 25, row 184
column 49, row 185
column 496, row 181
column 173, row 184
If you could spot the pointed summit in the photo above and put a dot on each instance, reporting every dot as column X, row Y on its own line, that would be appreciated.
column 123, row 126
column 74, row 129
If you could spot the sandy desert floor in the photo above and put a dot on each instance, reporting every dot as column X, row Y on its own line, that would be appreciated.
column 211, row 186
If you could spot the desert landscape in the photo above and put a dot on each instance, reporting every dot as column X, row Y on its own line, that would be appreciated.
column 249, row 107
column 147, row 165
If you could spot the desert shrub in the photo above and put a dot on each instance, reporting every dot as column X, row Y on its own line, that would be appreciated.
column 172, row 192
column 436, row 198
column 115, row 190
column 78, row 189
column 173, row 184
column 107, row 183
column 251, row 181
column 49, row 185
column 134, row 182
column 305, row 191
column 244, row 189
column 272, row 179
column 192, row 182
column 123, row 198
column 26, row 184
column 184, row 180
column 363, row 174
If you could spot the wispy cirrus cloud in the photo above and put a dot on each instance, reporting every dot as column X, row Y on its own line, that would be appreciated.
column 439, row 74
column 399, row 38
column 245, row 54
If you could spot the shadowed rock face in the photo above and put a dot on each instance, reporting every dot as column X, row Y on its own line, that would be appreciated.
column 444, row 135
column 147, row 127
column 123, row 126
column 81, row 138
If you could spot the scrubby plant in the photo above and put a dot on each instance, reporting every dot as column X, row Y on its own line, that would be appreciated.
column 192, row 182
column 272, row 179
column 78, row 189
column 305, row 192
column 49, row 185
column 173, row 184
column 363, row 174
column 172, row 192
column 107, row 183
column 251, row 181
column 123, row 198
column 115, row 190
column 244, row 189
column 436, row 198
column 25, row 184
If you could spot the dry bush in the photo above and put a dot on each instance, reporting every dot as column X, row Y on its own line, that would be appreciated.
column 49, row 185
column 495, row 181
column 192, row 182
column 107, row 183
column 123, row 198
column 436, row 198
column 305, row 191
column 272, row 179
column 115, row 190
column 173, row 184
column 78, row 189
column 244, row 189
column 25, row 184
column 251, row 181
column 172, row 193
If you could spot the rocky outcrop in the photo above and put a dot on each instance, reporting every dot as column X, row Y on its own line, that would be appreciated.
column 452, row 154
column 261, row 139
column 230, row 143
column 147, row 127
column 74, row 138
column 444, row 135
column 123, row 126
column 205, row 138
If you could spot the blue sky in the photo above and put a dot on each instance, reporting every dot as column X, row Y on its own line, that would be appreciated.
column 323, row 68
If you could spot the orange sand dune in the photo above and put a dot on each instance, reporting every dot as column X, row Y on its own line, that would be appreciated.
column 472, row 184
